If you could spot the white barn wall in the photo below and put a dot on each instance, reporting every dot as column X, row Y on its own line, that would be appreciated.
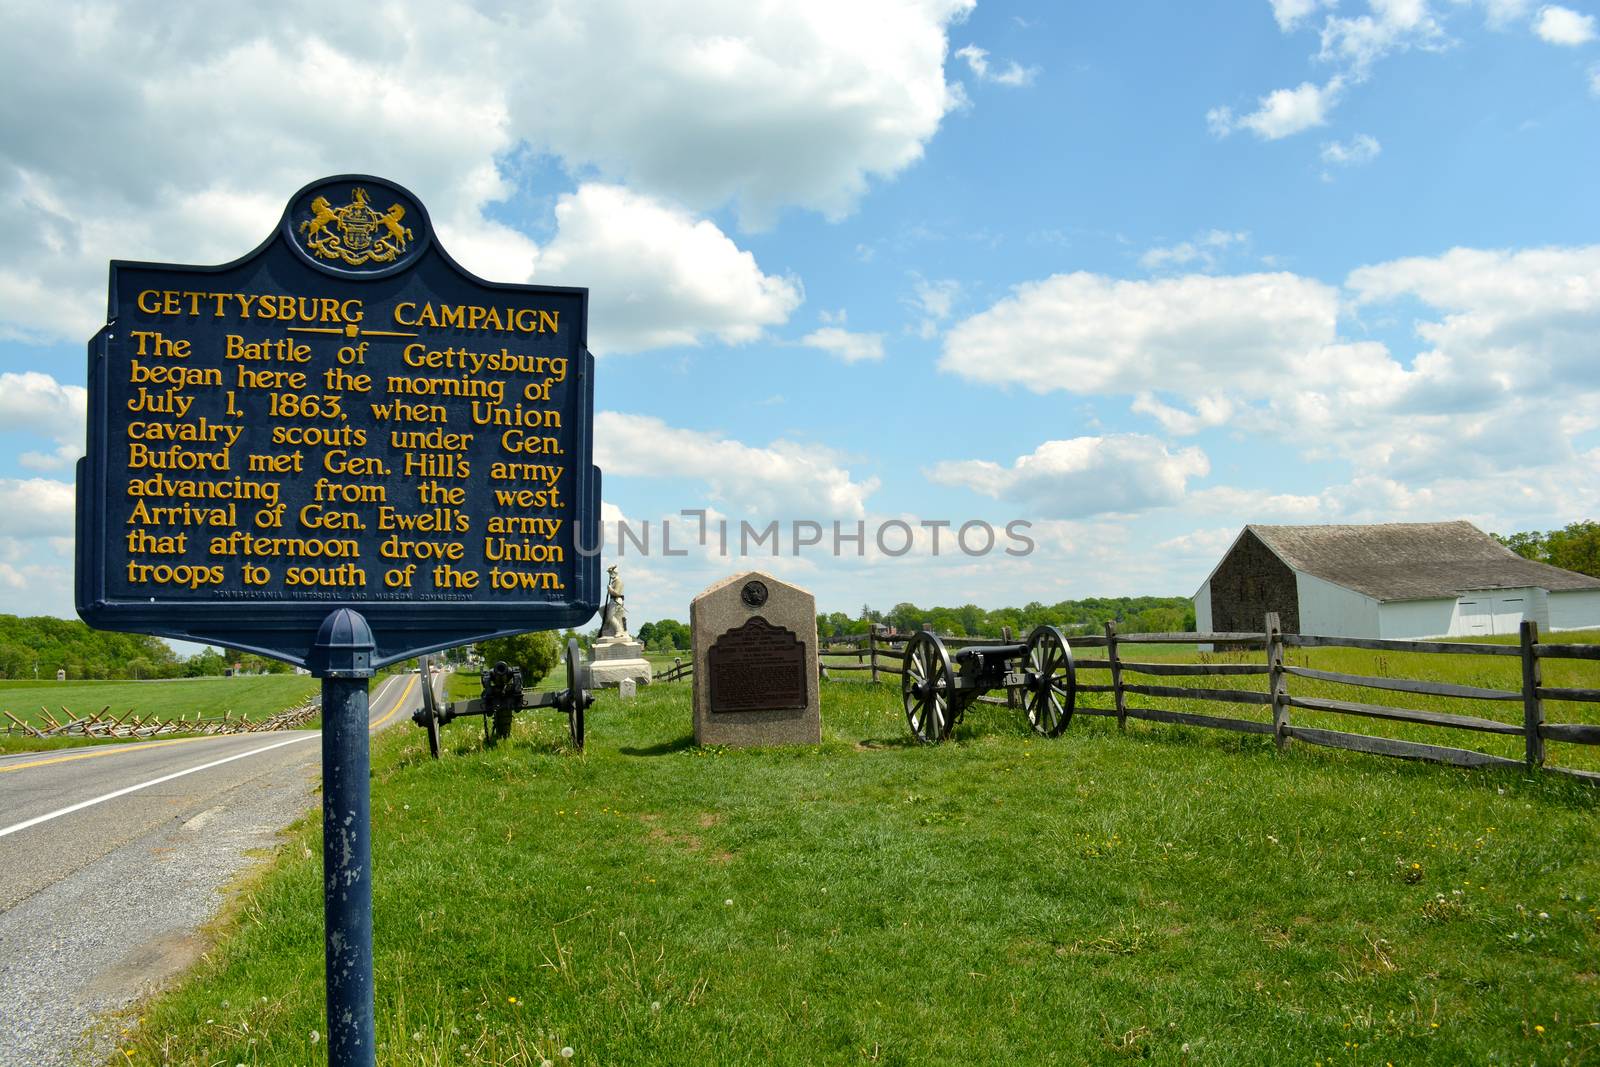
column 1332, row 610
column 1202, row 613
column 1575, row 609
column 1403, row 619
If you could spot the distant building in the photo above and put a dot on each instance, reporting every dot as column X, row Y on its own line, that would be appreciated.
column 1396, row 580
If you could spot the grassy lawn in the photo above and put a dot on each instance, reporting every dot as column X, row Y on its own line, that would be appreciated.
column 258, row 696
column 1174, row 895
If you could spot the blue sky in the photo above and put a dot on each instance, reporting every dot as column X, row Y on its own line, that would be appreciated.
column 1136, row 273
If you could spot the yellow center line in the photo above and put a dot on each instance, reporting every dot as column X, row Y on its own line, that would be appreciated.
column 143, row 746
column 410, row 684
column 109, row 750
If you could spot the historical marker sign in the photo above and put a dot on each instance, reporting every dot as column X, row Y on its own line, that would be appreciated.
column 756, row 667
column 343, row 418
column 755, row 663
column 343, row 450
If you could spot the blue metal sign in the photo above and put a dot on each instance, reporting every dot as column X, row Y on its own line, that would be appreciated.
column 343, row 418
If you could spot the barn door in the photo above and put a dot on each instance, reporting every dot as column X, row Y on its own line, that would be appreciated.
column 1507, row 613
column 1475, row 617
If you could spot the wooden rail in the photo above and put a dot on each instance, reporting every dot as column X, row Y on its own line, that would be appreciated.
column 100, row 724
column 879, row 654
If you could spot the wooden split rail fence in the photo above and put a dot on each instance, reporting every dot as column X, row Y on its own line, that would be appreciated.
column 880, row 655
column 129, row 725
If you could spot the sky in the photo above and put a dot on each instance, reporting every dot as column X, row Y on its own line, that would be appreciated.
column 1131, row 274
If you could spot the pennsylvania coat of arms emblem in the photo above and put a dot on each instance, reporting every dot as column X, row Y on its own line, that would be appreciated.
column 356, row 233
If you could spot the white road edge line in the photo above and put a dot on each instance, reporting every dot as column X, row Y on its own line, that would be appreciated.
column 69, row 809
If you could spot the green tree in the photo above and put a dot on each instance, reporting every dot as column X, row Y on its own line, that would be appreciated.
column 207, row 663
column 1529, row 545
column 536, row 653
column 1576, row 547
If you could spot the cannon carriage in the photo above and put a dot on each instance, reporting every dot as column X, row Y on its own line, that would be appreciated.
column 937, row 688
column 504, row 696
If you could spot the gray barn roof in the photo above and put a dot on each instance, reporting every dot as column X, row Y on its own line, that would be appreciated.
column 1412, row 560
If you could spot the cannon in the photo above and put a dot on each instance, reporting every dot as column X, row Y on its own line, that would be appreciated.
column 937, row 690
column 503, row 696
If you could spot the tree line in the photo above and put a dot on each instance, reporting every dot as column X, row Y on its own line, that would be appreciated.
column 1137, row 614
column 1574, row 547
column 38, row 646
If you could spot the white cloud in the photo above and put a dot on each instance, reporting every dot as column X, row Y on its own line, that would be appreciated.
column 1211, row 409
column 1502, row 386
column 1083, row 476
column 1013, row 74
column 179, row 139
column 1352, row 46
column 1258, row 505
column 933, row 301
column 720, row 101
column 1282, row 112
column 842, row 344
column 1393, row 26
column 782, row 478
column 1291, row 13
column 1203, row 250
column 658, row 276
column 1360, row 149
column 1594, row 81
column 1563, row 26
column 1501, row 13
column 1208, row 544
column 36, row 508
column 1086, row 333
column 37, row 403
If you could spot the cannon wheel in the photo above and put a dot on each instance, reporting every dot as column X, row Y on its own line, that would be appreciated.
column 430, row 706
column 577, row 694
column 927, row 684
column 1050, row 698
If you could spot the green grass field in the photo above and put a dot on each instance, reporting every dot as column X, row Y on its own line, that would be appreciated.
column 258, row 696
column 1169, row 895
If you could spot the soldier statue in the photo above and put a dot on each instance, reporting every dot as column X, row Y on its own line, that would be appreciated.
column 613, row 619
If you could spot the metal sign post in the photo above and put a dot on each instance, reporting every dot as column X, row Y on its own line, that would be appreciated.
column 342, row 450
column 342, row 657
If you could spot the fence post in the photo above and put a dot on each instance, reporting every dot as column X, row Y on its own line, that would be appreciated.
column 1532, row 705
column 1011, row 692
column 1277, row 681
column 1118, row 696
column 872, row 649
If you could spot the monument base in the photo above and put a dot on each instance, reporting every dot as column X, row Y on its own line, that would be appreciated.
column 616, row 658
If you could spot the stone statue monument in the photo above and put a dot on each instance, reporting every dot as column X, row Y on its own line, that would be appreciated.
column 616, row 654
column 613, row 617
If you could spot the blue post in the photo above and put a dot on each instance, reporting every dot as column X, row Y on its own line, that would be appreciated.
column 342, row 658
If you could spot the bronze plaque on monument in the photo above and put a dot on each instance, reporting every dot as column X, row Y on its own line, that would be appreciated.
column 757, row 667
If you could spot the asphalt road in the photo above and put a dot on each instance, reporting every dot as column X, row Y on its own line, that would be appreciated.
column 112, row 857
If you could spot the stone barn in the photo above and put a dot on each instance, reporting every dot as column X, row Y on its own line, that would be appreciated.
column 1395, row 580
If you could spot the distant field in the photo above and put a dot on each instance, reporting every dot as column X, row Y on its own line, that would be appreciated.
column 258, row 696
